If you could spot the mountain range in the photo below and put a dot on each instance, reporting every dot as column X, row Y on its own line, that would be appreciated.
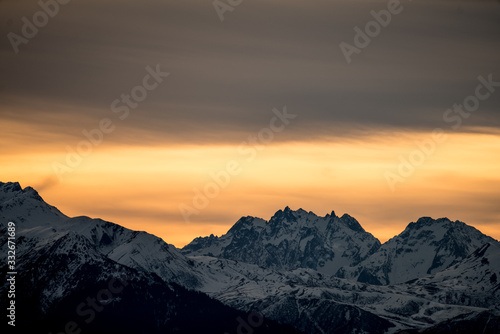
column 296, row 273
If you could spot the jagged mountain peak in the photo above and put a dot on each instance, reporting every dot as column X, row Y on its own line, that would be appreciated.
column 425, row 247
column 25, row 205
column 246, row 223
column 291, row 239
column 11, row 190
column 352, row 223
column 443, row 222
column 439, row 230
column 429, row 221
column 44, row 225
column 426, row 220
column 286, row 215
column 10, row 186
column 302, row 217
column 30, row 192
column 73, row 254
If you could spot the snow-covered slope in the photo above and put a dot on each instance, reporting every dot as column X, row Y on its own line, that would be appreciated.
column 318, row 303
column 474, row 281
column 39, row 225
column 102, row 277
column 69, row 281
column 26, row 206
column 290, row 240
column 63, row 260
column 423, row 248
column 303, row 294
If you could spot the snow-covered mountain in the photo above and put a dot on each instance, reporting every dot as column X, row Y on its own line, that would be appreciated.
column 41, row 224
column 61, row 261
column 318, row 303
column 425, row 247
column 474, row 281
column 340, row 246
column 291, row 240
column 101, row 277
column 304, row 294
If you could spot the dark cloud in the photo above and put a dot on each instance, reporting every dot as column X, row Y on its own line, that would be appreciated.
column 227, row 76
column 46, row 183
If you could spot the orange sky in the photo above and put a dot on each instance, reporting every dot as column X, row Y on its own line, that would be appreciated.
column 355, row 119
column 142, row 187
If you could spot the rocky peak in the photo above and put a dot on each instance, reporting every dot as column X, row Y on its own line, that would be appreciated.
column 290, row 240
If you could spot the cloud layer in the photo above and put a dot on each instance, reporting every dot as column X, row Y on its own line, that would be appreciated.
column 353, row 120
column 227, row 76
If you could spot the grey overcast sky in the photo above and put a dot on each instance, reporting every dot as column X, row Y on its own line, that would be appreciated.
column 225, row 76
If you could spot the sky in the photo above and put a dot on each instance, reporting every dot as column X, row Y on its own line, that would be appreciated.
column 178, row 118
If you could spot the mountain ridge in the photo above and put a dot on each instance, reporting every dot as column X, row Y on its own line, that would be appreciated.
column 424, row 247
column 62, row 262
column 76, row 256
column 290, row 240
column 445, row 243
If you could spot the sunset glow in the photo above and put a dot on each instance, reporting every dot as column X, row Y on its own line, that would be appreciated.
column 143, row 187
column 125, row 111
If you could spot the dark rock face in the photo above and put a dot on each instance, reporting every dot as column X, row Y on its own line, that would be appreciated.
column 290, row 240
column 326, row 317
